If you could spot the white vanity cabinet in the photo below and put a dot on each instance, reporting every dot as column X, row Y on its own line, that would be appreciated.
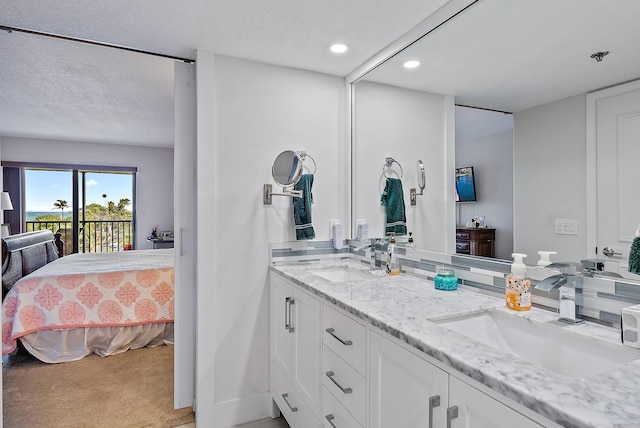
column 344, row 367
column 330, row 369
column 477, row 409
column 406, row 391
column 295, row 352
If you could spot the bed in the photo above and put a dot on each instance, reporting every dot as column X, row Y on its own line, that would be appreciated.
column 64, row 308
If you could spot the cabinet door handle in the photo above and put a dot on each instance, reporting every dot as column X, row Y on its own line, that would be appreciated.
column 344, row 342
column 330, row 375
column 291, row 303
column 452, row 413
column 286, row 313
column 434, row 401
column 330, row 418
column 284, row 397
column 288, row 301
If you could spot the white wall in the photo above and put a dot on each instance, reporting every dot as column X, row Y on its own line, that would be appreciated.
column 550, row 178
column 259, row 110
column 492, row 159
column 407, row 125
column 154, row 195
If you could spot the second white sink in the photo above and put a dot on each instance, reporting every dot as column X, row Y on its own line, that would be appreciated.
column 548, row 345
column 343, row 274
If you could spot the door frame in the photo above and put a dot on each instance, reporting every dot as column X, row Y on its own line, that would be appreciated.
column 592, row 161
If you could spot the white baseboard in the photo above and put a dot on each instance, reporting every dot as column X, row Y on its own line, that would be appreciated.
column 234, row 412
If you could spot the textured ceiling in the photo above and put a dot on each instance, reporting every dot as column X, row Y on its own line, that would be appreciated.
column 65, row 90
column 514, row 55
column 502, row 54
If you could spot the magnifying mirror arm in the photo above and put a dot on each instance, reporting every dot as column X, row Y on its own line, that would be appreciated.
column 268, row 193
column 413, row 193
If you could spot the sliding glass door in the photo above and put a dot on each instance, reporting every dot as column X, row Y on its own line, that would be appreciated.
column 93, row 210
column 106, row 214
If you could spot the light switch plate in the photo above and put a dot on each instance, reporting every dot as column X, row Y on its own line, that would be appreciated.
column 567, row 226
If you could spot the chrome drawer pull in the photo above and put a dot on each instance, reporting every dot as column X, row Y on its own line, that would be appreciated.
column 452, row 413
column 330, row 418
column 284, row 397
column 434, row 401
column 330, row 375
column 344, row 342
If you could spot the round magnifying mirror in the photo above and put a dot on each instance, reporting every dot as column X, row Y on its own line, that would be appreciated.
column 287, row 169
column 422, row 181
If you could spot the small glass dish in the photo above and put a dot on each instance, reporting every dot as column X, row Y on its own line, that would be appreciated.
column 445, row 280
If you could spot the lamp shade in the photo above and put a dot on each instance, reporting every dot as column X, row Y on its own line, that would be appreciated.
column 5, row 201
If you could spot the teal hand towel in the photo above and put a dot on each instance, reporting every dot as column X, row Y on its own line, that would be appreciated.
column 634, row 256
column 393, row 199
column 302, row 208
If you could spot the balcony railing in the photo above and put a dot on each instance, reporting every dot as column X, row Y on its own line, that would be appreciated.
column 96, row 236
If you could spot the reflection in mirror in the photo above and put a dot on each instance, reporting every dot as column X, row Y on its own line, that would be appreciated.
column 484, row 141
column 422, row 182
column 516, row 65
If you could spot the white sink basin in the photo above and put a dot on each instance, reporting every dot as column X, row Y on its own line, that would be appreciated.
column 343, row 274
column 548, row 345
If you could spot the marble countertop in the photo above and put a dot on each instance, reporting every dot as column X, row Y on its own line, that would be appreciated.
column 405, row 306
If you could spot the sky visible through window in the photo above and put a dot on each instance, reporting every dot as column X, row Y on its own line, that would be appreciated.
column 43, row 188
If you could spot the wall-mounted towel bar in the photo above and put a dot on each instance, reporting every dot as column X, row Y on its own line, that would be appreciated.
column 303, row 157
column 388, row 163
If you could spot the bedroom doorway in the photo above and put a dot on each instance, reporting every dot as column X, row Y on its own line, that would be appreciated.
column 92, row 209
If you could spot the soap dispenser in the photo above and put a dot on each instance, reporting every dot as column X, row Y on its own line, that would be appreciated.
column 517, row 295
column 393, row 267
column 544, row 258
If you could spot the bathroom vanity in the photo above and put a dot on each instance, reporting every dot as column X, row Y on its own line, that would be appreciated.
column 352, row 347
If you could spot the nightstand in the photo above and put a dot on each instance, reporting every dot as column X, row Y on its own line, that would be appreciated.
column 161, row 243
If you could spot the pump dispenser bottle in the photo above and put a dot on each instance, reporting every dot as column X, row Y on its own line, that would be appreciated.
column 517, row 295
column 392, row 268
column 545, row 259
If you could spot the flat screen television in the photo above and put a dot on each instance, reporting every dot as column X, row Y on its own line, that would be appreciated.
column 465, row 185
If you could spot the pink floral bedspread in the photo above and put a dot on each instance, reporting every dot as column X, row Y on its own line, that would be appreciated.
column 91, row 290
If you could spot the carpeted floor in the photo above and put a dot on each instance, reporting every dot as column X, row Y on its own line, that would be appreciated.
column 130, row 390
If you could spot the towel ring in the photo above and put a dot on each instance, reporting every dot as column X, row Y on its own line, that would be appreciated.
column 387, row 164
column 303, row 156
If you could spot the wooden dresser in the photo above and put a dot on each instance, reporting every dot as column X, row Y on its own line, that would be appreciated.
column 475, row 241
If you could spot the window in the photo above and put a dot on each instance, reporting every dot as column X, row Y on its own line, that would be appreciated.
column 92, row 208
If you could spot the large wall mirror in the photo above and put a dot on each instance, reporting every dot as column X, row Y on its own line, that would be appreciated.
column 527, row 70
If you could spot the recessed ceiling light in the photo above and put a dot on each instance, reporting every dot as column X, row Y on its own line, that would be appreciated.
column 411, row 64
column 339, row 48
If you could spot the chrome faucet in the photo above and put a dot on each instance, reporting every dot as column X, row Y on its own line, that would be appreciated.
column 371, row 244
column 566, row 285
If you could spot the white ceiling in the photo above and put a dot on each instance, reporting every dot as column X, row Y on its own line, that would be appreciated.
column 513, row 55
column 501, row 54
column 58, row 89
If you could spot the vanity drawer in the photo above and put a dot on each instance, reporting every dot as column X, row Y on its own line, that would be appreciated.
column 345, row 383
column 334, row 414
column 289, row 401
column 345, row 337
